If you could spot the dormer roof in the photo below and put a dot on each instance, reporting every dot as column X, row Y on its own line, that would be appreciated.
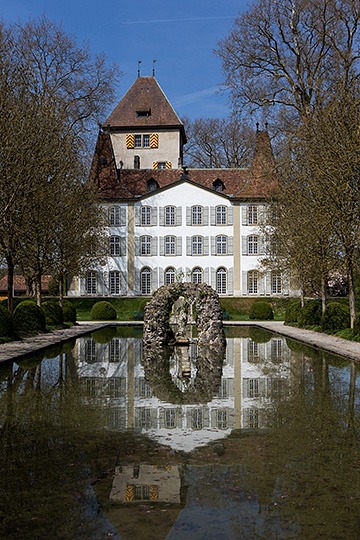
column 143, row 106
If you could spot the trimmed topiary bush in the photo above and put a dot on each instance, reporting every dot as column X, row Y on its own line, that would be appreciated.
column 53, row 313
column 28, row 318
column 335, row 317
column 104, row 335
column 103, row 311
column 259, row 335
column 6, row 323
column 69, row 311
column 261, row 311
column 310, row 314
column 292, row 312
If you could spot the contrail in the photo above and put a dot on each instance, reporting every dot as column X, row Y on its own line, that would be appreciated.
column 179, row 20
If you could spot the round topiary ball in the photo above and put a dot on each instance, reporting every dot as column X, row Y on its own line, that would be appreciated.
column 6, row 323
column 261, row 311
column 69, row 311
column 28, row 317
column 292, row 312
column 310, row 314
column 103, row 311
column 53, row 313
column 335, row 317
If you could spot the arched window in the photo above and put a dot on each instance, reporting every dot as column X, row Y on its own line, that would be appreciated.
column 145, row 281
column 170, row 215
column 196, row 276
column 221, row 215
column 170, row 243
column 196, row 215
column 221, row 281
column 169, row 276
column 221, row 245
column 91, row 283
column 197, row 245
column 145, row 215
column 252, row 215
column 252, row 282
column 275, row 282
column 115, row 245
column 114, row 282
column 114, row 215
column 253, row 245
column 145, row 245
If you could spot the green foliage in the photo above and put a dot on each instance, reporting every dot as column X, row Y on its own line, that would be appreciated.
column 261, row 311
column 6, row 323
column 103, row 311
column 310, row 314
column 31, row 361
column 259, row 335
column 335, row 317
column 53, row 351
column 53, row 313
column 28, row 318
column 356, row 328
column 104, row 335
column 53, row 286
column 292, row 312
column 69, row 311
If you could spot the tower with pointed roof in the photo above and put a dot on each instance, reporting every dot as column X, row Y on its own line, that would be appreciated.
column 167, row 222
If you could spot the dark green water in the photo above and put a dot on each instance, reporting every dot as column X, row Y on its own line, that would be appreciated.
column 97, row 443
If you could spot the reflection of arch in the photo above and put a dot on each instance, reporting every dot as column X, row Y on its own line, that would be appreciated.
column 145, row 280
column 206, row 385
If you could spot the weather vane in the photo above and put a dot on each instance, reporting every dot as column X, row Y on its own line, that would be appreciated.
column 154, row 67
column 139, row 62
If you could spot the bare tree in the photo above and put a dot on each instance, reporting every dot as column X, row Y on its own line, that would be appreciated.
column 218, row 143
column 288, row 53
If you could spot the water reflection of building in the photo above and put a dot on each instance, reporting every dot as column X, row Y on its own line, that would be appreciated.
column 144, row 482
column 254, row 376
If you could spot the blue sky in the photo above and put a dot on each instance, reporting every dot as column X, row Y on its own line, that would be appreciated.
column 180, row 35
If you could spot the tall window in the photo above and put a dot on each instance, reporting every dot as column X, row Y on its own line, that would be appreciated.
column 145, row 215
column 275, row 282
column 114, row 350
column 276, row 350
column 114, row 282
column 137, row 141
column 196, row 215
column 115, row 245
column 146, row 141
column 197, row 419
column 253, row 351
column 170, row 418
column 252, row 282
column 145, row 245
column 91, row 280
column 170, row 215
column 90, row 351
column 221, row 245
column 253, row 245
column 252, row 215
column 196, row 276
column 115, row 216
column 170, row 245
column 222, row 418
column 221, row 281
column 169, row 276
column 197, row 245
column 145, row 279
column 221, row 215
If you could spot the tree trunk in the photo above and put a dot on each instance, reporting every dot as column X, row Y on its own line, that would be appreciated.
column 323, row 294
column 10, row 283
column 351, row 298
column 38, row 289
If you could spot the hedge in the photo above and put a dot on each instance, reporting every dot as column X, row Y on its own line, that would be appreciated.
column 335, row 317
column 53, row 313
column 28, row 318
column 261, row 311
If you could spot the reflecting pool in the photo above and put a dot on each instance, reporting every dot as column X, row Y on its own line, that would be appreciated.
column 103, row 439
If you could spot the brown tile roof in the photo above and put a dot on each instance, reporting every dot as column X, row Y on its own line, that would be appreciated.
column 144, row 95
column 257, row 181
column 20, row 285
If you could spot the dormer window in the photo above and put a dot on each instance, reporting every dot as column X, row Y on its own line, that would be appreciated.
column 143, row 113
column 152, row 185
column 218, row 185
